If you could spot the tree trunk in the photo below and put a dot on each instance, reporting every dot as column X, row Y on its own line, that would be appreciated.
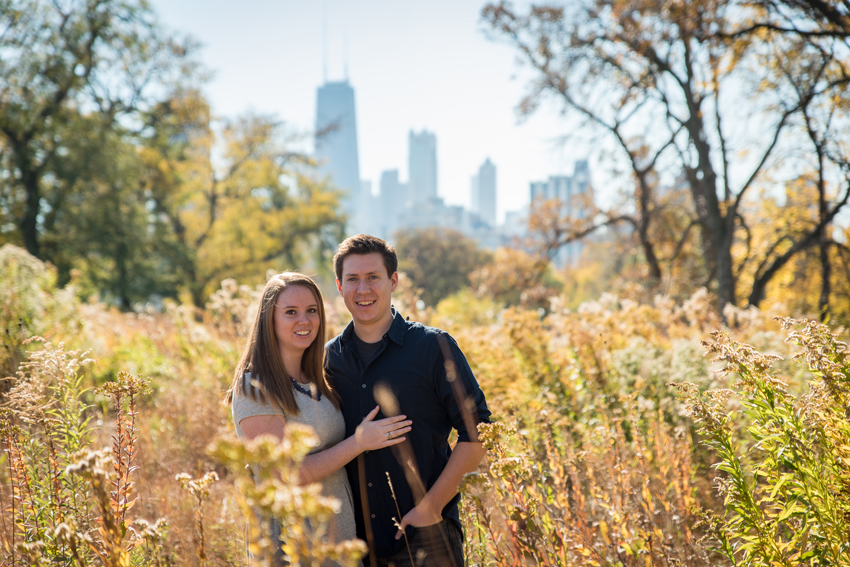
column 826, row 273
column 651, row 258
column 757, row 293
column 123, row 278
column 823, row 244
column 29, row 222
column 643, row 229
column 725, row 266
column 718, row 230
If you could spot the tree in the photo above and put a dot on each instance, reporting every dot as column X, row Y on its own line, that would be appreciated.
column 516, row 278
column 677, row 87
column 59, row 59
column 96, row 218
column 233, row 217
column 107, row 161
column 438, row 261
column 799, row 286
column 803, row 18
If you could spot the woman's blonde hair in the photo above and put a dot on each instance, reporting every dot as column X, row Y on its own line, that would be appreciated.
column 262, row 359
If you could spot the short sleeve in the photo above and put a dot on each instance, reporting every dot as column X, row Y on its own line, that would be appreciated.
column 463, row 389
column 245, row 406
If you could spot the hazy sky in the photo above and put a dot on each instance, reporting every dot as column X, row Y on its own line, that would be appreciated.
column 412, row 65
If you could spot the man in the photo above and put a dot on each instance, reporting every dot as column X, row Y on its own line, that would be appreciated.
column 407, row 496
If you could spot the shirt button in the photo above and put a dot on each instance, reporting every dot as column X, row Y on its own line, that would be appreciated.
column 370, row 485
column 373, row 516
column 364, row 385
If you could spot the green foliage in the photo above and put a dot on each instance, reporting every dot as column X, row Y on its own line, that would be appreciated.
column 100, row 223
column 438, row 261
column 107, row 167
column 44, row 426
column 60, row 61
column 254, row 208
column 30, row 304
column 787, row 489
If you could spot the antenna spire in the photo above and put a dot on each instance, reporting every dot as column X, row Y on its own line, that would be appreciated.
column 345, row 55
column 325, row 43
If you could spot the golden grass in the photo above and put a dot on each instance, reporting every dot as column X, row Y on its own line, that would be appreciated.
column 595, row 457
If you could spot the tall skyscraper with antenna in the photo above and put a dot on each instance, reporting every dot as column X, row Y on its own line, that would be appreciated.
column 336, row 136
column 336, row 142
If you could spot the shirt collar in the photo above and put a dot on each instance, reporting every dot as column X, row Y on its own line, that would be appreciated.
column 396, row 332
column 398, row 327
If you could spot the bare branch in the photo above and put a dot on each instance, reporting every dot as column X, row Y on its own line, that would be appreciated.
column 680, row 245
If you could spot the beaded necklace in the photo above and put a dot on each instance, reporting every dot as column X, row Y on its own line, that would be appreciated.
column 308, row 391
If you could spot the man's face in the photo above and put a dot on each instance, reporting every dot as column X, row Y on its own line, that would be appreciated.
column 366, row 287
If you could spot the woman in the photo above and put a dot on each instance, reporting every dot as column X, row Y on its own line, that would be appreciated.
column 280, row 379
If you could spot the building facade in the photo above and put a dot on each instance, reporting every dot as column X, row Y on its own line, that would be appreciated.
column 336, row 142
column 573, row 194
column 483, row 193
column 393, row 200
column 422, row 166
column 416, row 203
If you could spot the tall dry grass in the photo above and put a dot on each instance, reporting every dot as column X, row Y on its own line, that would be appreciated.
column 616, row 441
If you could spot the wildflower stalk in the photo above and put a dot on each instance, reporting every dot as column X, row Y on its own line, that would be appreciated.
column 97, row 468
column 200, row 489
column 397, row 522
column 6, row 431
column 124, row 451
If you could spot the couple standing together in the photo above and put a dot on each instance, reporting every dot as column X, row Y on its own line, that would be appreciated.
column 286, row 374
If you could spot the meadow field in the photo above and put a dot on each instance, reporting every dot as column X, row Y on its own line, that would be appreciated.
column 660, row 335
column 624, row 433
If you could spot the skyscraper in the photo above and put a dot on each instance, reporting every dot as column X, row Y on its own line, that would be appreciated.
column 393, row 196
column 422, row 166
column 336, row 143
column 484, row 193
column 572, row 192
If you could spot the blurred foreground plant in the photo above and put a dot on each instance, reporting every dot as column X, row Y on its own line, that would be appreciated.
column 786, row 488
column 269, row 490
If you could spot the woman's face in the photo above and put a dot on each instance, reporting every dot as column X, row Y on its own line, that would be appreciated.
column 296, row 319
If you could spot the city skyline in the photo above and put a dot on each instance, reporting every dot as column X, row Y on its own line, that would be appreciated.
column 413, row 66
column 416, row 203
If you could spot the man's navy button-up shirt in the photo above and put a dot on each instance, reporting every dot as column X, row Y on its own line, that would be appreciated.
column 410, row 363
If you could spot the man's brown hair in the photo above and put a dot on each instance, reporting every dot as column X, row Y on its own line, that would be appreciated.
column 362, row 244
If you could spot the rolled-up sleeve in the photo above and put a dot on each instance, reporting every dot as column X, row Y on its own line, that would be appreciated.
column 461, row 392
